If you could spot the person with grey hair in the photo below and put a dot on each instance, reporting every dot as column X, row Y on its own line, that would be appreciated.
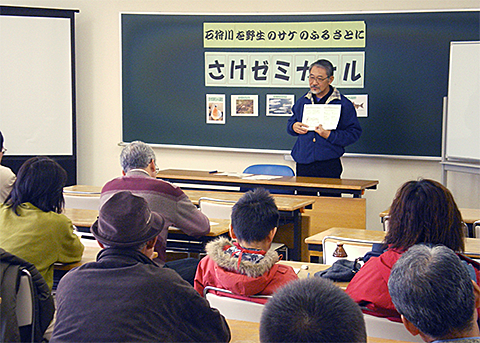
column 312, row 310
column 433, row 291
column 7, row 176
column 125, row 296
column 317, row 150
column 139, row 176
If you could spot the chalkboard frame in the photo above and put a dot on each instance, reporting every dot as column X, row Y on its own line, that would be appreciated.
column 406, row 78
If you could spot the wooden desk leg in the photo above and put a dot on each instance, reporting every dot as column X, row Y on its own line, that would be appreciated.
column 315, row 253
column 297, row 235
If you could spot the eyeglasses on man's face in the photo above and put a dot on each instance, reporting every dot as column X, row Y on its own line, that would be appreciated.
column 319, row 79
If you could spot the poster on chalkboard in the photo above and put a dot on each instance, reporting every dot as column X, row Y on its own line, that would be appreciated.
column 216, row 109
column 280, row 105
column 244, row 105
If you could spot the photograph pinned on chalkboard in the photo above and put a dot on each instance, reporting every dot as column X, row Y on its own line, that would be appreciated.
column 215, row 109
column 280, row 105
column 360, row 102
column 245, row 105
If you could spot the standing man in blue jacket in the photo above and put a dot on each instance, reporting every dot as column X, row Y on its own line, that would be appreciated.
column 318, row 152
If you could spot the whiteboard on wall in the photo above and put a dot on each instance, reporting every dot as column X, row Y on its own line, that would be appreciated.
column 36, row 85
column 463, row 110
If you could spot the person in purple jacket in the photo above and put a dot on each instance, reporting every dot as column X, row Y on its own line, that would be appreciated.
column 139, row 177
column 317, row 152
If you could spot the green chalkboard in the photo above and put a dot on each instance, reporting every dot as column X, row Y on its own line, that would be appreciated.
column 406, row 78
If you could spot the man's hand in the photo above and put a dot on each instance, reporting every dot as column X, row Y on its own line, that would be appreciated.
column 322, row 132
column 300, row 128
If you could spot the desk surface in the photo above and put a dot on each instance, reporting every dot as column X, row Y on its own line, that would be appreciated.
column 344, row 184
column 85, row 218
column 248, row 332
column 469, row 215
column 92, row 248
column 83, row 190
column 284, row 202
column 472, row 245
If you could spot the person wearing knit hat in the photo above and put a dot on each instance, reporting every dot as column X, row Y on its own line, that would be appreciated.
column 127, row 297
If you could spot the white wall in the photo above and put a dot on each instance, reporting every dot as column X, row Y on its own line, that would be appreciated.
column 99, row 107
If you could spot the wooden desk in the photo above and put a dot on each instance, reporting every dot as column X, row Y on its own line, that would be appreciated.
column 289, row 183
column 248, row 332
column 472, row 245
column 288, row 205
column 312, row 268
column 177, row 240
column 83, row 190
column 85, row 218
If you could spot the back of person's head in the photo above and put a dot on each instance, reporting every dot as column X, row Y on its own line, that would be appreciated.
column 40, row 181
column 136, row 155
column 312, row 310
column 424, row 211
column 254, row 215
column 1, row 140
column 432, row 289
column 325, row 64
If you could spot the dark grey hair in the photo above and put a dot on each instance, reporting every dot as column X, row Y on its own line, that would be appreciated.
column 325, row 64
column 432, row 288
column 312, row 310
column 136, row 155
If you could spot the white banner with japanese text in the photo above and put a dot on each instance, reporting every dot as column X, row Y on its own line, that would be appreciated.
column 334, row 34
column 247, row 69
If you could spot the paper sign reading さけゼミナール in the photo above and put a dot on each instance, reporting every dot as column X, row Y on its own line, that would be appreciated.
column 316, row 114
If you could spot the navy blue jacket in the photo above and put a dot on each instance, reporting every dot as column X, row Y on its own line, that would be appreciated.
column 348, row 131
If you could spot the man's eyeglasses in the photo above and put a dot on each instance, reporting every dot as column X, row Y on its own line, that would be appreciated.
column 4, row 150
column 312, row 78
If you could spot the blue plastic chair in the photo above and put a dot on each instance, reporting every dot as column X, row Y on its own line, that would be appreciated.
column 269, row 169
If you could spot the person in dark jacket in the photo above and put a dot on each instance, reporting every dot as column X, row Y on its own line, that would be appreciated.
column 125, row 296
column 317, row 151
column 11, row 267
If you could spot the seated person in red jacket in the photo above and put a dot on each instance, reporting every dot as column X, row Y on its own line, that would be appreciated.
column 423, row 211
column 247, row 266
column 434, row 292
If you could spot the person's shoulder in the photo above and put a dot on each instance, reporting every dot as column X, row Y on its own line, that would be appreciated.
column 344, row 101
column 6, row 171
column 140, row 183
column 305, row 98
column 167, row 279
column 59, row 218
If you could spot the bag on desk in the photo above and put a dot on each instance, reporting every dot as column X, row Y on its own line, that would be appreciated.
column 341, row 270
